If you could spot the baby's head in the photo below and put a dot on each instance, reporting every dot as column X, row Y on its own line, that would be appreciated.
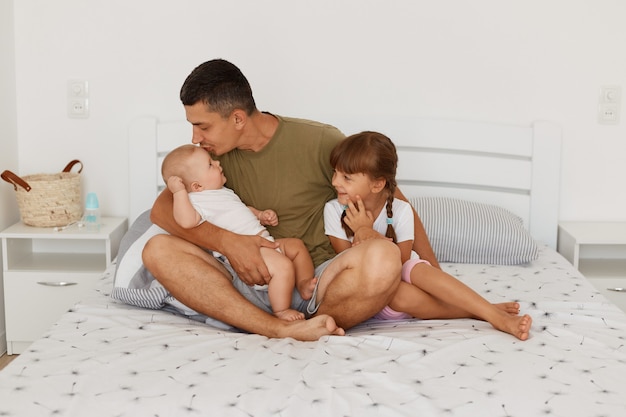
column 177, row 163
column 195, row 167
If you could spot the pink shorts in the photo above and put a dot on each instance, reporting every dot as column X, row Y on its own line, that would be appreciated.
column 388, row 313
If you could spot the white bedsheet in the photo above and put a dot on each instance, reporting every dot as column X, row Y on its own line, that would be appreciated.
column 105, row 358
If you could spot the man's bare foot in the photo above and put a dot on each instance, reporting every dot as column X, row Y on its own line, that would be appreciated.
column 511, row 308
column 311, row 329
column 518, row 326
column 289, row 315
column 306, row 288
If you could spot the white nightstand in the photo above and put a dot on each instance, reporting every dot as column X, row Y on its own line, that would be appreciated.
column 598, row 251
column 47, row 271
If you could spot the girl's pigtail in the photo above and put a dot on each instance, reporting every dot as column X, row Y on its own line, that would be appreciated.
column 346, row 228
column 391, row 233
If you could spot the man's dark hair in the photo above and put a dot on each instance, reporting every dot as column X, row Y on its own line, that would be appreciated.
column 221, row 86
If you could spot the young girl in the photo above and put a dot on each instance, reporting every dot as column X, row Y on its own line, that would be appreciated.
column 365, row 169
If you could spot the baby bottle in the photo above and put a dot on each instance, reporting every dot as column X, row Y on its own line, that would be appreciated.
column 91, row 218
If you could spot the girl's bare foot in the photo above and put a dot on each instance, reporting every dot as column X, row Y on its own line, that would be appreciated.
column 511, row 308
column 518, row 326
column 289, row 315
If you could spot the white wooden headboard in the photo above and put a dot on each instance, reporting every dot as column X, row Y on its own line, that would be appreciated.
column 515, row 167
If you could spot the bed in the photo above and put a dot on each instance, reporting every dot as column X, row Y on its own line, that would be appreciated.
column 108, row 358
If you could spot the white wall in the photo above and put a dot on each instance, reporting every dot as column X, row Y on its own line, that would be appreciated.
column 335, row 61
column 8, row 134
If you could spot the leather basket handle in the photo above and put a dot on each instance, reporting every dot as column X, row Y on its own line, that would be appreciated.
column 69, row 166
column 11, row 178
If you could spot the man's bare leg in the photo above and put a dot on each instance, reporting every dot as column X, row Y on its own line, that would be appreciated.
column 197, row 280
column 360, row 282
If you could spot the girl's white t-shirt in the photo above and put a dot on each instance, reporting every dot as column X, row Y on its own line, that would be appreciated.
column 403, row 221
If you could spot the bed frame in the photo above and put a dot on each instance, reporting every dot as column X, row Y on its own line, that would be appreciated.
column 515, row 167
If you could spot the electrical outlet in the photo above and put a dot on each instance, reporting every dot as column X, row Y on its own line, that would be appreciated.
column 608, row 113
column 78, row 108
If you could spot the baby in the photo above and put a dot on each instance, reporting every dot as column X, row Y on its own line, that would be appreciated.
column 197, row 183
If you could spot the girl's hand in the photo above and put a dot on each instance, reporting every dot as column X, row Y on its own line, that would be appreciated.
column 268, row 218
column 357, row 217
column 361, row 222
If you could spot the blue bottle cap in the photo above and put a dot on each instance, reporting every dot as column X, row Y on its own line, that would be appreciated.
column 92, row 201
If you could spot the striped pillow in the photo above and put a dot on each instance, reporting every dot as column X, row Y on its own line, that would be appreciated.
column 462, row 231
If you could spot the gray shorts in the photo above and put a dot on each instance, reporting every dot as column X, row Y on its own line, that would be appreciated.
column 260, row 298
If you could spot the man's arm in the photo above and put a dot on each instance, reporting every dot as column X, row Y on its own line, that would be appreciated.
column 421, row 244
column 243, row 252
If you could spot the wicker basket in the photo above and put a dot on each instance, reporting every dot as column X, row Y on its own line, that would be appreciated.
column 47, row 200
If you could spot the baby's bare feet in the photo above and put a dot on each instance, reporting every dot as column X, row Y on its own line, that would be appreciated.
column 289, row 315
column 306, row 288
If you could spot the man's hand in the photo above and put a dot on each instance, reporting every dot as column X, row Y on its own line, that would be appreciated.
column 244, row 255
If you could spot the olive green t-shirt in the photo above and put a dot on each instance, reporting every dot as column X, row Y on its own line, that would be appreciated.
column 292, row 176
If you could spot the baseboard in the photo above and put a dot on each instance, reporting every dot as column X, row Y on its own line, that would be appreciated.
column 3, row 343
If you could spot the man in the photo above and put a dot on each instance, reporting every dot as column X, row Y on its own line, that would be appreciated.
column 278, row 163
